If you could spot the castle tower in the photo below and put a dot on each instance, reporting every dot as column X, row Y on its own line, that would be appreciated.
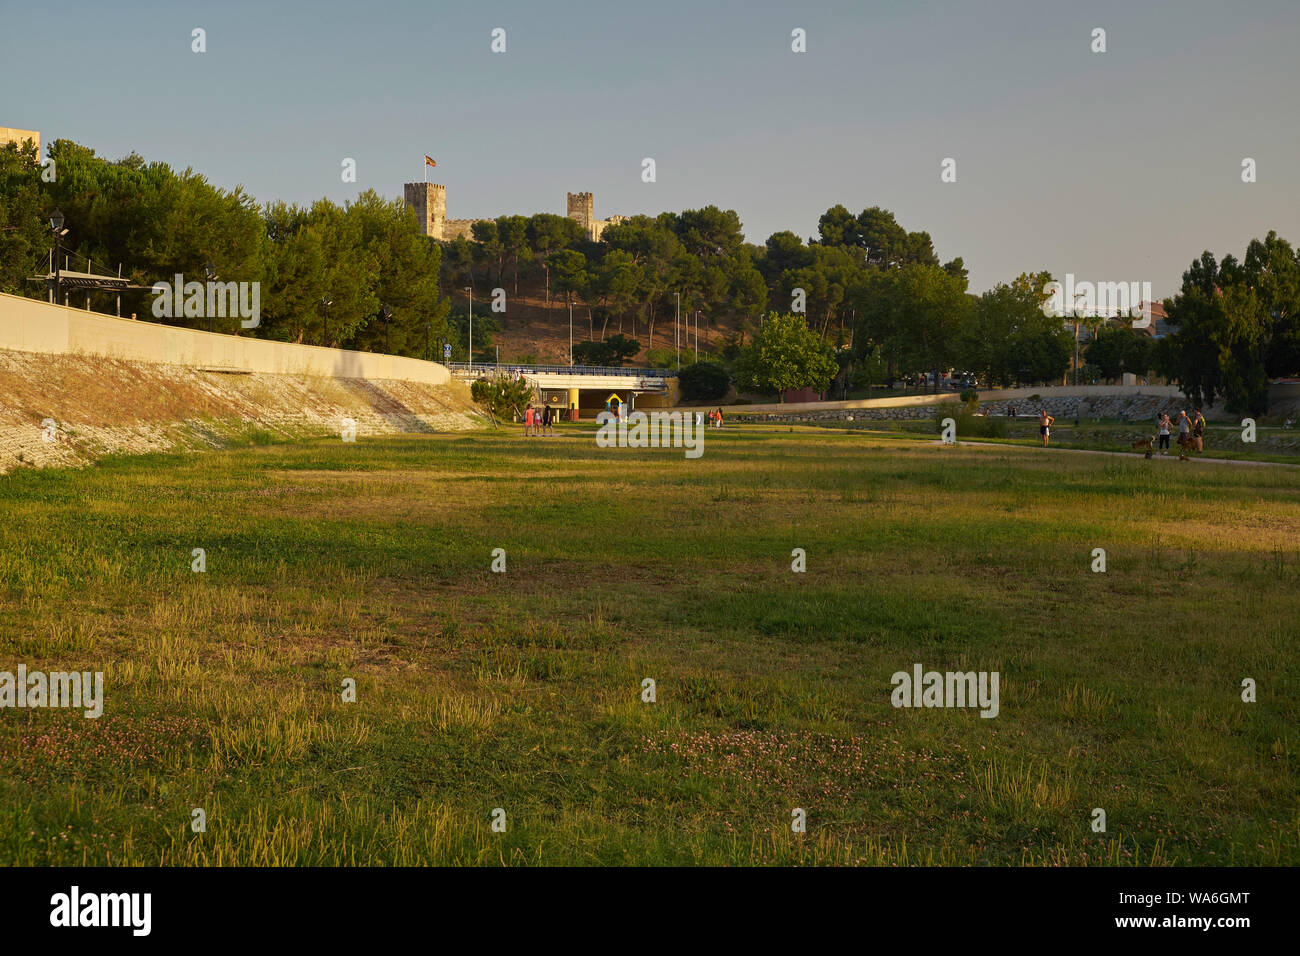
column 429, row 200
column 582, row 209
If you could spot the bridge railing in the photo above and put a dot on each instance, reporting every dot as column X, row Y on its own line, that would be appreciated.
column 489, row 369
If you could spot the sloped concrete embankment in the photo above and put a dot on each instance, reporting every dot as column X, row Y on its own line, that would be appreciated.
column 72, row 409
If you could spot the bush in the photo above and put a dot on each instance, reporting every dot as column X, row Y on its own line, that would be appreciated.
column 661, row 358
column 591, row 354
column 704, row 381
column 970, row 425
column 502, row 396
column 614, row 351
column 980, row 426
column 969, row 396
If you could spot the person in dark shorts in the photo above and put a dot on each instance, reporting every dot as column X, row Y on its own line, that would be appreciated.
column 1045, row 422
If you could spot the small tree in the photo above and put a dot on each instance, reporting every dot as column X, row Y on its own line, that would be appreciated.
column 786, row 354
column 502, row 396
column 621, row 348
column 592, row 354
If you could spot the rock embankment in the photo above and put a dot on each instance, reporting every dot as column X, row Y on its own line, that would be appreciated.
column 1131, row 408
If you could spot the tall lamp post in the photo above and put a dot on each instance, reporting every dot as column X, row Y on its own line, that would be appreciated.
column 56, row 227
column 325, row 305
column 697, row 335
column 469, row 290
column 387, row 313
column 210, row 271
column 570, row 331
column 1076, row 337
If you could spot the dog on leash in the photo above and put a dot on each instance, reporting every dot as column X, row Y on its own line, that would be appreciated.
column 1147, row 443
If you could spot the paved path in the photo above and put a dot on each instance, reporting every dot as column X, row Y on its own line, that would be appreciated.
column 1124, row 454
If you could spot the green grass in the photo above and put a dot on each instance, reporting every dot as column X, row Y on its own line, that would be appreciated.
column 522, row 690
column 1221, row 442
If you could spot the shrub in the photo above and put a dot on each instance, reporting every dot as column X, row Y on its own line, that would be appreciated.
column 970, row 425
column 704, row 381
column 661, row 358
column 502, row 396
column 615, row 350
column 980, row 426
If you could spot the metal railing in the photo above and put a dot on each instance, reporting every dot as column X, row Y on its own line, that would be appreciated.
column 489, row 368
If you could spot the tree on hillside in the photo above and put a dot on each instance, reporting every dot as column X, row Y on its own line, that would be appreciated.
column 616, row 280
column 512, row 233
column 488, row 246
column 548, row 233
column 657, row 253
column 24, row 236
column 614, row 351
column 568, row 267
column 785, row 354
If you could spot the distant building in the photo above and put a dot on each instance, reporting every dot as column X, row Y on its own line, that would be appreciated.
column 1160, row 325
column 10, row 135
column 429, row 200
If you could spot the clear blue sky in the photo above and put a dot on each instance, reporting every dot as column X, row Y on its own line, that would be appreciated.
column 1119, row 166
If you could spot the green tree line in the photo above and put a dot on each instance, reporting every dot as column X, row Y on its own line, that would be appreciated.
column 354, row 276
column 360, row 276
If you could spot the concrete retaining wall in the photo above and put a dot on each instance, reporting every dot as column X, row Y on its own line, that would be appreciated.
column 27, row 325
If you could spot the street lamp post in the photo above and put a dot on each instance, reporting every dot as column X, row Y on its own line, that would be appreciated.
column 210, row 271
column 325, row 304
column 469, row 290
column 697, row 335
column 570, row 331
column 1076, row 338
column 56, row 227
column 387, row 313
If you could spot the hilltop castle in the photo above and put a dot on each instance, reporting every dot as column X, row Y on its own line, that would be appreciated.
column 429, row 200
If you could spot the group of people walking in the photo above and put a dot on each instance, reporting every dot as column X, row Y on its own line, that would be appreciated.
column 540, row 421
column 1191, row 431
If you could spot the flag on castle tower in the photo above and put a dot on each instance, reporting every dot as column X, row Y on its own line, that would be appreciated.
column 428, row 161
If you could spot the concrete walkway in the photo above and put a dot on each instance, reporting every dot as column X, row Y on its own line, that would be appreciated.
column 1119, row 454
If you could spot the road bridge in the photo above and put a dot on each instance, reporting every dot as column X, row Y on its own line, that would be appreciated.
column 586, row 389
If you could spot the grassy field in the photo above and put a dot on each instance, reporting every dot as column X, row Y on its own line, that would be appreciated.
column 522, row 690
column 1222, row 442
